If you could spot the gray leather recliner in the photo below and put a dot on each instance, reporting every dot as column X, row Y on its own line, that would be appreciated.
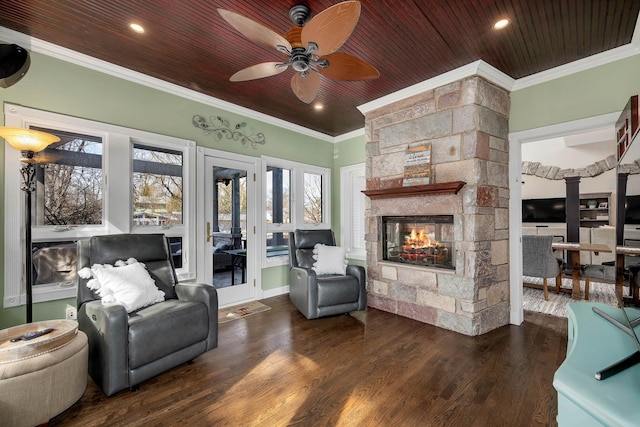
column 126, row 349
column 322, row 295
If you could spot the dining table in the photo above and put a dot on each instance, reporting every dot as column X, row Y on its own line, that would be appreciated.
column 574, row 249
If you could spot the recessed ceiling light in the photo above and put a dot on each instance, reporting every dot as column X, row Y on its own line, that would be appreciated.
column 136, row 27
column 502, row 23
column 318, row 106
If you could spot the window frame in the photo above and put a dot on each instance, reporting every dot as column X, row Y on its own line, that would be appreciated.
column 348, row 212
column 117, row 208
column 297, row 204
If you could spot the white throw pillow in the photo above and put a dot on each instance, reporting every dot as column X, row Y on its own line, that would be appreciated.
column 329, row 259
column 128, row 284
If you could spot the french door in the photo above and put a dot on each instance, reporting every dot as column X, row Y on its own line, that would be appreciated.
column 229, row 244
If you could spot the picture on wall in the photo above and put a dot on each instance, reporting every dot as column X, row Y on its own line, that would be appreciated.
column 417, row 166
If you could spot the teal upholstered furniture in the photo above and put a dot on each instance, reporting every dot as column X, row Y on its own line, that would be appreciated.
column 593, row 345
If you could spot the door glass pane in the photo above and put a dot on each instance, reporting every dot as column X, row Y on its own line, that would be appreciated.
column 278, row 203
column 312, row 198
column 157, row 186
column 69, row 181
column 229, row 227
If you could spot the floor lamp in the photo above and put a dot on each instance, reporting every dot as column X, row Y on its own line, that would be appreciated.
column 28, row 142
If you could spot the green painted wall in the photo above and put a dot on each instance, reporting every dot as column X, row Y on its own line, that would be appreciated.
column 64, row 88
column 600, row 90
column 275, row 277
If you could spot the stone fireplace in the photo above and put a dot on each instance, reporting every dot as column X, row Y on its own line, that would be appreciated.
column 465, row 126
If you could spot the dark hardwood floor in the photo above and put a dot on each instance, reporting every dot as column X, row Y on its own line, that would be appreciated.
column 370, row 369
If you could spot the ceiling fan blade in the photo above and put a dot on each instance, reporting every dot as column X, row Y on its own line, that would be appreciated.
column 343, row 66
column 332, row 27
column 258, row 71
column 306, row 88
column 257, row 33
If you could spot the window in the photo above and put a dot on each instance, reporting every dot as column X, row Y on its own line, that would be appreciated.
column 352, row 207
column 69, row 180
column 157, row 186
column 278, row 198
column 296, row 196
column 98, row 179
column 312, row 198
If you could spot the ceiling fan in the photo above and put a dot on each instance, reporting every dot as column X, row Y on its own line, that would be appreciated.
column 310, row 48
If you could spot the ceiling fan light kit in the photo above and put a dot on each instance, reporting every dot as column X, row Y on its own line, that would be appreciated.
column 310, row 48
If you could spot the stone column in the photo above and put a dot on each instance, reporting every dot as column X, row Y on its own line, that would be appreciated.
column 466, row 124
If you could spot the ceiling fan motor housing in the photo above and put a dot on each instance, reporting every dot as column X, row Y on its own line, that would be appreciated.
column 300, row 14
column 299, row 59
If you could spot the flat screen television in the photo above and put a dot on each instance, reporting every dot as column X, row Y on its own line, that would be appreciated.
column 632, row 210
column 544, row 210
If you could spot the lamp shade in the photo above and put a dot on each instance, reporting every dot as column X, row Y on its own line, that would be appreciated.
column 26, row 139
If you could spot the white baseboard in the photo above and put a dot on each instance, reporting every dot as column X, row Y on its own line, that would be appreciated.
column 268, row 293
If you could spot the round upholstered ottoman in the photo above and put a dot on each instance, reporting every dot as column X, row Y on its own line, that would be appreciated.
column 42, row 377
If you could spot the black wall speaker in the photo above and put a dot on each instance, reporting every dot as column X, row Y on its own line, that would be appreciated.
column 14, row 63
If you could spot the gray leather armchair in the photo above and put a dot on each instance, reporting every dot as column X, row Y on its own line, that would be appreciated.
column 322, row 295
column 126, row 349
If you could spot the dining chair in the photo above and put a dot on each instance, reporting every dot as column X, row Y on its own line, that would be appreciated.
column 600, row 273
column 538, row 261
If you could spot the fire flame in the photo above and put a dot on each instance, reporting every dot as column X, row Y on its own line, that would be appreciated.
column 419, row 240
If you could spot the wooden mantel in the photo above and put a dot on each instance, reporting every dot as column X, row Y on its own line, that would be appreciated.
column 416, row 190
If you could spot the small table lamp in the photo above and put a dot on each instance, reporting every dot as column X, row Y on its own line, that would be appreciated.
column 28, row 142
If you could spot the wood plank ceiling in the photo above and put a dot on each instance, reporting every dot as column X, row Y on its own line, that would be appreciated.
column 188, row 43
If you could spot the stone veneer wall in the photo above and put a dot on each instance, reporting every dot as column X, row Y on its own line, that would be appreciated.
column 466, row 122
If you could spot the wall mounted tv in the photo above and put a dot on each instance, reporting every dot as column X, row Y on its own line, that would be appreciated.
column 544, row 210
column 632, row 210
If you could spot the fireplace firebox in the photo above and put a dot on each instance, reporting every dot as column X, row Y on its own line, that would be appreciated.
column 420, row 240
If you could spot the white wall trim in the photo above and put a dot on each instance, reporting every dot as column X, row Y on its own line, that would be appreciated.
column 274, row 292
column 584, row 64
column 479, row 67
column 347, row 210
column 588, row 124
column 68, row 55
column 612, row 55
column 201, row 232
column 496, row 76
column 349, row 135
column 516, row 139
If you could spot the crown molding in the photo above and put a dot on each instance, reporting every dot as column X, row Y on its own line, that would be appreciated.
column 68, row 55
column 349, row 135
column 584, row 64
column 496, row 76
column 588, row 124
column 603, row 58
column 479, row 67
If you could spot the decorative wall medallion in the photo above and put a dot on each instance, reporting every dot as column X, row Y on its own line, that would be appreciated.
column 221, row 128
